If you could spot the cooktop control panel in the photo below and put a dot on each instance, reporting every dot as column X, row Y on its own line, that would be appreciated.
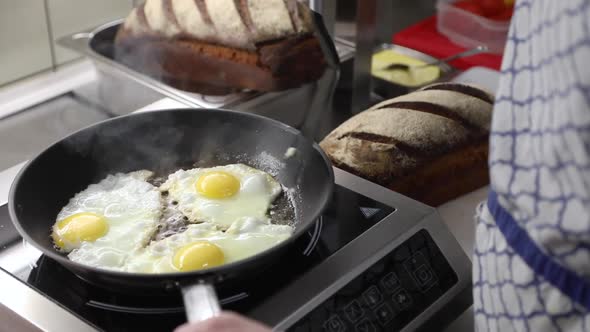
column 389, row 294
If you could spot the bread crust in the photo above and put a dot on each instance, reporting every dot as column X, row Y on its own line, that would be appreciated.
column 437, row 180
column 430, row 145
column 445, row 178
column 161, row 48
column 274, row 66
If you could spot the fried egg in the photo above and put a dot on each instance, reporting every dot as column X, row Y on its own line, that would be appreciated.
column 203, row 246
column 109, row 221
column 223, row 194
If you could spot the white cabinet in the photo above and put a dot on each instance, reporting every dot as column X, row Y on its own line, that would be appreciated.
column 24, row 41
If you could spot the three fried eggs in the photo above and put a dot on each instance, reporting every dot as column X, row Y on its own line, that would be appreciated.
column 111, row 224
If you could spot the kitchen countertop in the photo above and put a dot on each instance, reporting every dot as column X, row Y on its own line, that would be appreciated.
column 12, row 322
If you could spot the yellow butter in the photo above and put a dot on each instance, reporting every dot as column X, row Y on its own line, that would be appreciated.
column 409, row 78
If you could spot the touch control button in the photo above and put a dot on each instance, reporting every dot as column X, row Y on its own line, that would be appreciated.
column 334, row 324
column 372, row 296
column 402, row 299
column 384, row 314
column 353, row 311
column 390, row 282
column 420, row 270
column 365, row 325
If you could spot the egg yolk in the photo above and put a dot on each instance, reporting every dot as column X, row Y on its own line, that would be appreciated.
column 79, row 227
column 198, row 255
column 217, row 185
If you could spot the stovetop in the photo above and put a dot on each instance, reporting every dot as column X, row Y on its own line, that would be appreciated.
column 348, row 215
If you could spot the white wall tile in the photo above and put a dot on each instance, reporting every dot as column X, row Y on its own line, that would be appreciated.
column 24, row 43
column 70, row 16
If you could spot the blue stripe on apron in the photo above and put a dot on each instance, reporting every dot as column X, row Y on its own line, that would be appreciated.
column 568, row 282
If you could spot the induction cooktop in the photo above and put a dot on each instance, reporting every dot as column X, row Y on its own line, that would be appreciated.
column 374, row 261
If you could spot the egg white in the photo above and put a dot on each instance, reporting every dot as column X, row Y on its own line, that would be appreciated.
column 132, row 209
column 257, row 191
column 245, row 238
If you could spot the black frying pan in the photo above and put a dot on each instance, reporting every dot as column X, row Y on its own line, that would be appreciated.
column 164, row 141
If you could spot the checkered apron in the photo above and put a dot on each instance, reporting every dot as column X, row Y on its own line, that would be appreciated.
column 531, row 264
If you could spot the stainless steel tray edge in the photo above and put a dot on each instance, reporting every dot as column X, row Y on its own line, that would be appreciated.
column 80, row 43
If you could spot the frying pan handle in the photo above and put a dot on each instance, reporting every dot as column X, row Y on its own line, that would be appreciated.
column 200, row 302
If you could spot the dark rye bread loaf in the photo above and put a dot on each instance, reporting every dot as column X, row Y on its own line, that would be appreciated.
column 430, row 145
column 216, row 46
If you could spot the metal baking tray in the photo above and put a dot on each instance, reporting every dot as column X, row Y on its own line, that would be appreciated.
column 293, row 106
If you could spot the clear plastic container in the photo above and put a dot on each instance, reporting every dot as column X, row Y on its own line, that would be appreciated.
column 470, row 30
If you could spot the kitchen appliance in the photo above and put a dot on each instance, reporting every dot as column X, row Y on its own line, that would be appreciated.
column 375, row 260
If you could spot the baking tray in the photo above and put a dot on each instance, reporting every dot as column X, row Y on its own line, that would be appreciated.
column 305, row 101
column 98, row 45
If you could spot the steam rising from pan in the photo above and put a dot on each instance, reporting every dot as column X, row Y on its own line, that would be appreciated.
column 164, row 144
